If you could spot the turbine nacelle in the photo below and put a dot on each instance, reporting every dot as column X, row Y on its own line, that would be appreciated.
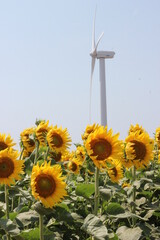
column 105, row 54
column 102, row 54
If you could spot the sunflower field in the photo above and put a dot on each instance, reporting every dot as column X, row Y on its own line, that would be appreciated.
column 106, row 188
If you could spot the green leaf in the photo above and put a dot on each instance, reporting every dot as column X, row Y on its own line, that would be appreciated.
column 62, row 215
column 9, row 227
column 146, row 194
column 77, row 217
column 149, row 214
column 113, row 236
column 12, row 215
column 114, row 209
column 2, row 209
column 136, row 184
column 125, row 233
column 39, row 208
column 157, row 214
column 24, row 209
column 85, row 190
column 149, row 173
column 63, row 205
column 140, row 201
column 20, row 192
column 24, row 219
column 95, row 227
column 122, row 215
column 105, row 193
column 31, row 234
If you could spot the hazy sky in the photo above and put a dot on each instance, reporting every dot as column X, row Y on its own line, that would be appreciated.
column 45, row 64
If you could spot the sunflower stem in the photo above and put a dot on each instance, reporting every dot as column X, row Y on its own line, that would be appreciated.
column 21, row 153
column 41, row 226
column 36, row 151
column 96, row 196
column 7, row 208
column 134, row 194
column 46, row 155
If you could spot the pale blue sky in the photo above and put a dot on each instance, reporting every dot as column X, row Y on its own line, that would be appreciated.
column 45, row 64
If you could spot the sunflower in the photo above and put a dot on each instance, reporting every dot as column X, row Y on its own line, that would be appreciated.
column 127, row 163
column 136, row 128
column 57, row 156
column 116, row 171
column 47, row 184
column 26, row 153
column 159, row 158
column 89, row 129
column 157, row 137
column 6, row 142
column 27, row 138
column 58, row 139
column 74, row 165
column 41, row 132
column 67, row 156
column 126, row 184
column 80, row 153
column 10, row 167
column 139, row 149
column 102, row 146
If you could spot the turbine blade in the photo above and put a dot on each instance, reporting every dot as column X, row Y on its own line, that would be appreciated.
column 99, row 40
column 92, row 67
column 93, row 33
column 92, row 70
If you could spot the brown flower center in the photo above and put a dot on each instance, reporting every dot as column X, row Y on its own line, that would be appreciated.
column 42, row 133
column 101, row 148
column 57, row 140
column 6, row 167
column 56, row 156
column 114, row 171
column 3, row 146
column 31, row 142
column 158, row 136
column 45, row 185
column 73, row 166
column 139, row 149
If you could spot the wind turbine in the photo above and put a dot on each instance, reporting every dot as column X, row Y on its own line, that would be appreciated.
column 101, row 56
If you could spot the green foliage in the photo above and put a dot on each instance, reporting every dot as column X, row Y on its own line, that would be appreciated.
column 95, row 227
column 125, row 233
column 120, row 216
column 85, row 190
column 114, row 209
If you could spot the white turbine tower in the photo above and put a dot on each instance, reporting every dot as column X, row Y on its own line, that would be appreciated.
column 101, row 56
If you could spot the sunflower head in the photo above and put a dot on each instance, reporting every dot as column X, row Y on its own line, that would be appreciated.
column 89, row 129
column 57, row 156
column 80, row 153
column 27, row 138
column 41, row 132
column 157, row 136
column 47, row 184
column 58, row 139
column 74, row 165
column 10, row 167
column 139, row 149
column 102, row 146
column 6, row 142
column 126, row 184
column 116, row 171
column 159, row 158
column 136, row 129
column 26, row 154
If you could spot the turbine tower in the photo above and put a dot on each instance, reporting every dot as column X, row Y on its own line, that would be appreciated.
column 101, row 56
